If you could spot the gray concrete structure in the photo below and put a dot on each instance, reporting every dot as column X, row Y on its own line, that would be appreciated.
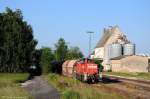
column 116, row 50
column 129, row 49
column 111, row 36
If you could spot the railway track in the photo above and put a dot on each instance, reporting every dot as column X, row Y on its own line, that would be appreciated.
column 128, row 78
column 128, row 87
column 133, row 82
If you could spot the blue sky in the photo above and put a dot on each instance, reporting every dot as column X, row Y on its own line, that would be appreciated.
column 70, row 19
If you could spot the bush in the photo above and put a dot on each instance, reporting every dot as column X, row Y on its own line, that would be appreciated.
column 99, row 62
column 46, row 58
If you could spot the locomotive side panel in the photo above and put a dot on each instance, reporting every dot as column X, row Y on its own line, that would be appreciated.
column 82, row 70
column 92, row 69
column 87, row 71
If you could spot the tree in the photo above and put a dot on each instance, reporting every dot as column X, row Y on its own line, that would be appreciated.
column 46, row 58
column 74, row 53
column 61, row 50
column 36, row 61
column 17, row 43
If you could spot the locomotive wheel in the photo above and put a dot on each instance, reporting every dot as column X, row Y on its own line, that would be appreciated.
column 82, row 78
column 93, row 79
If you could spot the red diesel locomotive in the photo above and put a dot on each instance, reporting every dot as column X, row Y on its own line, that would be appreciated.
column 85, row 70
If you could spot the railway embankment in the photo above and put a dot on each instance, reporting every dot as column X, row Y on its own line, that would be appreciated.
column 130, row 75
column 109, row 88
column 71, row 88
column 136, row 86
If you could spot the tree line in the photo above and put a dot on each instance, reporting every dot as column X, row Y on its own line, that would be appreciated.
column 61, row 53
column 16, row 42
column 18, row 47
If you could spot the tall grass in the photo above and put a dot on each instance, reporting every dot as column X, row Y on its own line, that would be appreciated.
column 70, row 94
column 73, row 89
column 10, row 87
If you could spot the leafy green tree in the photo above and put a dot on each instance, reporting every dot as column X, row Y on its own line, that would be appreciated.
column 74, row 53
column 17, row 43
column 36, row 61
column 46, row 58
column 61, row 50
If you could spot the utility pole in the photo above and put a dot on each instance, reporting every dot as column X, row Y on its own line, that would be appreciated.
column 89, row 32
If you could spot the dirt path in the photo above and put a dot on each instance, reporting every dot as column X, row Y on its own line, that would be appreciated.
column 40, row 89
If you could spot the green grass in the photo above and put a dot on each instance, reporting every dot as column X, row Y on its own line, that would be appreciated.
column 145, row 76
column 73, row 89
column 10, row 86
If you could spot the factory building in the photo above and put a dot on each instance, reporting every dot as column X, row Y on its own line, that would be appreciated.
column 113, row 44
column 130, row 64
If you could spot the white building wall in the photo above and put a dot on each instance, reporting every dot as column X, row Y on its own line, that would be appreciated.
column 99, row 53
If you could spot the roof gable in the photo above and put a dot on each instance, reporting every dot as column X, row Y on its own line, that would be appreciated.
column 111, row 31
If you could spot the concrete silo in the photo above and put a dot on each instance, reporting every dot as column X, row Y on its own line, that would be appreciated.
column 129, row 49
column 116, row 50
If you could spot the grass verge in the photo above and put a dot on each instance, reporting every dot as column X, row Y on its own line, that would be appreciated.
column 10, row 87
column 73, row 89
column 145, row 76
